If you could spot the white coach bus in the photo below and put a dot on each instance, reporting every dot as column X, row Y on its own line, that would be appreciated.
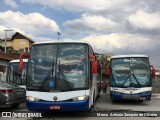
column 61, row 76
column 130, row 77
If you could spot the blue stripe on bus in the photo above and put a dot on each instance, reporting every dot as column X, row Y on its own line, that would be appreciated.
column 120, row 96
column 65, row 106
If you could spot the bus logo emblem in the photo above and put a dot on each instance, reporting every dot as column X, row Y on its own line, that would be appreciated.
column 55, row 98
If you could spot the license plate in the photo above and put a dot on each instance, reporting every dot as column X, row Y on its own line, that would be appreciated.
column 130, row 97
column 55, row 107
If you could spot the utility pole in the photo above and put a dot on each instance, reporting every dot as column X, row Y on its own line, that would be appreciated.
column 6, row 39
column 58, row 33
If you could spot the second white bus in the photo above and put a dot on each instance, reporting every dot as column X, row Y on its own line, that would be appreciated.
column 130, row 77
column 13, row 74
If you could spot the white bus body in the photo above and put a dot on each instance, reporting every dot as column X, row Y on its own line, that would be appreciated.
column 61, row 77
column 13, row 74
column 130, row 77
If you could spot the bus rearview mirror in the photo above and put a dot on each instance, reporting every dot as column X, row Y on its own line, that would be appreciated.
column 22, row 56
column 153, row 73
column 94, row 64
column 94, row 67
column 20, row 65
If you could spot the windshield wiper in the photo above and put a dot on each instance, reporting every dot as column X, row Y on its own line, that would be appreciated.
column 64, row 77
column 131, row 74
column 136, row 78
column 126, row 80
column 47, row 76
column 131, row 81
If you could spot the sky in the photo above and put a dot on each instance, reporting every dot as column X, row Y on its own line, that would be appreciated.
column 110, row 26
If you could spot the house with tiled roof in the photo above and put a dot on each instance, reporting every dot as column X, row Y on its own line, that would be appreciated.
column 15, row 45
column 18, row 43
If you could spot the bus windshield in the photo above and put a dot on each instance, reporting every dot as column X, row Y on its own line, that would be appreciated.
column 58, row 67
column 14, row 76
column 130, row 72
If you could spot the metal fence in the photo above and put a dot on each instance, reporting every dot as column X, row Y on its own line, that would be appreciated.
column 156, row 86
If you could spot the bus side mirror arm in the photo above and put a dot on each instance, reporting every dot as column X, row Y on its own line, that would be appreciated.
column 91, row 56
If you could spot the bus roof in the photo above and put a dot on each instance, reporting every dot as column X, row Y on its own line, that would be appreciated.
column 13, row 61
column 61, row 42
column 124, row 56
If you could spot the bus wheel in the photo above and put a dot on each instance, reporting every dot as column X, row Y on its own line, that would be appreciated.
column 99, row 92
column 93, row 101
column 91, row 108
column 94, row 98
column 98, row 96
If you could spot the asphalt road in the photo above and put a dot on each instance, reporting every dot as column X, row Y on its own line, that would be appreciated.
column 103, row 103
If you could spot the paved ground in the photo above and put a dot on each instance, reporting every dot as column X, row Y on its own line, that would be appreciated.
column 104, row 104
column 156, row 96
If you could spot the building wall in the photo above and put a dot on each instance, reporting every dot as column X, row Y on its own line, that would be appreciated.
column 9, row 43
column 20, row 44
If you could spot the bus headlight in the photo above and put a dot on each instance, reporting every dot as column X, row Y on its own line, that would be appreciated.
column 80, row 98
column 29, row 98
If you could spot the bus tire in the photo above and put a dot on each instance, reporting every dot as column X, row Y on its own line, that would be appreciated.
column 98, row 96
column 93, row 101
column 94, row 98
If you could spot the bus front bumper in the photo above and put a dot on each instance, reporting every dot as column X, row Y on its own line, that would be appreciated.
column 82, row 105
column 130, row 96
